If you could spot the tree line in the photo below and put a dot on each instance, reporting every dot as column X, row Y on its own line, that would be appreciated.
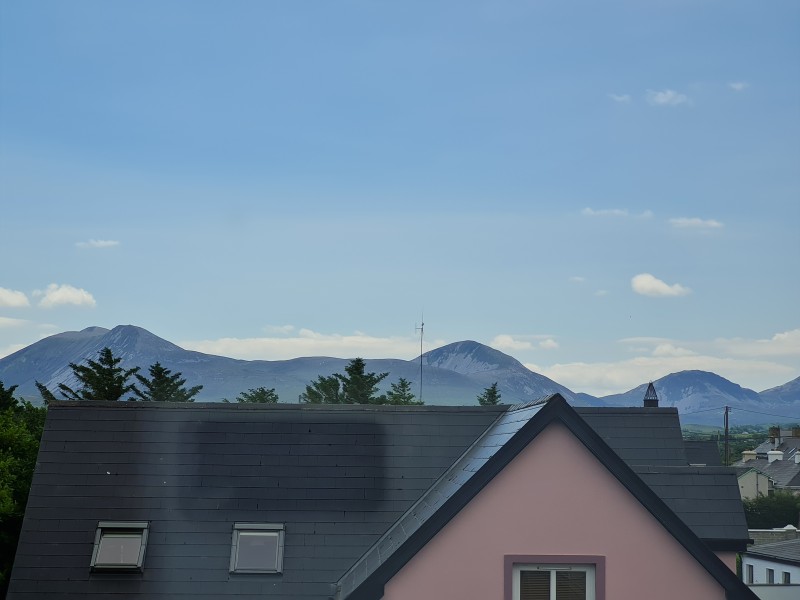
column 105, row 380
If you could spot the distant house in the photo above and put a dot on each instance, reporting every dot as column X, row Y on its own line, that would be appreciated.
column 773, row 570
column 753, row 482
column 138, row 500
column 780, row 466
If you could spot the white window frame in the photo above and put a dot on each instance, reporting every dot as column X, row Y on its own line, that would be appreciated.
column 554, row 568
column 268, row 529
column 108, row 529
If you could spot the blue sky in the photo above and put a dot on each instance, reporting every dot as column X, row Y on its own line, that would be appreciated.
column 608, row 192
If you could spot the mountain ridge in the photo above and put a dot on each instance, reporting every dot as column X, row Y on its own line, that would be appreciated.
column 452, row 374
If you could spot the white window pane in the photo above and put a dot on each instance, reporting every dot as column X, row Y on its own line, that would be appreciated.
column 119, row 548
column 257, row 551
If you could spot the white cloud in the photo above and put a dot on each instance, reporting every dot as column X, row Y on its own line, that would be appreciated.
column 672, row 350
column 601, row 293
column 8, row 322
column 10, row 349
column 577, row 279
column 621, row 98
column 97, row 244
column 738, row 86
column 58, row 295
column 666, row 98
column 311, row 343
column 615, row 212
column 281, row 329
column 604, row 212
column 12, row 298
column 507, row 342
column 548, row 344
column 695, row 223
column 786, row 343
column 648, row 285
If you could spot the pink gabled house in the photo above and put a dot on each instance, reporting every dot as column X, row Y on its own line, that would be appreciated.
column 540, row 507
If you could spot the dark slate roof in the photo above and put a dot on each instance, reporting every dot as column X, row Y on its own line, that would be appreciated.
column 785, row 473
column 790, row 444
column 702, row 452
column 640, row 436
column 707, row 499
column 338, row 476
column 381, row 562
column 425, row 509
column 787, row 551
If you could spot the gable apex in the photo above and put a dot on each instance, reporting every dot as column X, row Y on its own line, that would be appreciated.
column 365, row 580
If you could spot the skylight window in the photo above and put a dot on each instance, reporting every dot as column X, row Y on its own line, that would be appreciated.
column 257, row 548
column 119, row 546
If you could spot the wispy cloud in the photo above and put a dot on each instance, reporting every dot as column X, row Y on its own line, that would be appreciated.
column 666, row 98
column 306, row 342
column 603, row 378
column 97, row 244
column 279, row 329
column 577, row 279
column 615, row 212
column 12, row 298
column 786, row 343
column 8, row 322
column 620, row 98
column 508, row 342
column 695, row 223
column 548, row 344
column 738, row 86
column 64, row 294
column 601, row 293
column 648, row 285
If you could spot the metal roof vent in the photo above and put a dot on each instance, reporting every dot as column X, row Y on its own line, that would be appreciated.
column 650, row 397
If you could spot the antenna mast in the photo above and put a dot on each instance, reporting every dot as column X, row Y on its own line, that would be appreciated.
column 421, row 330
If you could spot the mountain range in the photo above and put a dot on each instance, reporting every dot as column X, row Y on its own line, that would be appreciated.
column 453, row 374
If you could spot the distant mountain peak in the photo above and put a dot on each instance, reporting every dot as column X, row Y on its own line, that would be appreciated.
column 468, row 357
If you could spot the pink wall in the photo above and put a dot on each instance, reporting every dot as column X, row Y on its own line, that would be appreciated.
column 554, row 498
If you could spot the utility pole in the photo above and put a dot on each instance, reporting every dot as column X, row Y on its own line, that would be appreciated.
column 421, row 330
column 727, row 439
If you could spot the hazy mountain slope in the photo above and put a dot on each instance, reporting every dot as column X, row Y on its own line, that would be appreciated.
column 694, row 391
column 788, row 393
column 485, row 365
column 466, row 368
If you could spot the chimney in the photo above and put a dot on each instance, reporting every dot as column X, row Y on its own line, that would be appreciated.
column 748, row 455
column 797, row 458
column 774, row 455
column 774, row 434
column 650, row 397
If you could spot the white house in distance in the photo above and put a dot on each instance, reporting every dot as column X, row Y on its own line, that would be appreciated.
column 772, row 571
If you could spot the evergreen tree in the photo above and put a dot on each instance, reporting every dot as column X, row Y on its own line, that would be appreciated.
column 325, row 390
column 359, row 387
column 21, row 426
column 400, row 393
column 490, row 396
column 164, row 386
column 7, row 399
column 259, row 395
column 101, row 379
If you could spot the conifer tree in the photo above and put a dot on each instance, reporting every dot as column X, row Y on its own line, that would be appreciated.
column 490, row 396
column 101, row 379
column 325, row 390
column 400, row 393
column 259, row 395
column 164, row 386
column 359, row 387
